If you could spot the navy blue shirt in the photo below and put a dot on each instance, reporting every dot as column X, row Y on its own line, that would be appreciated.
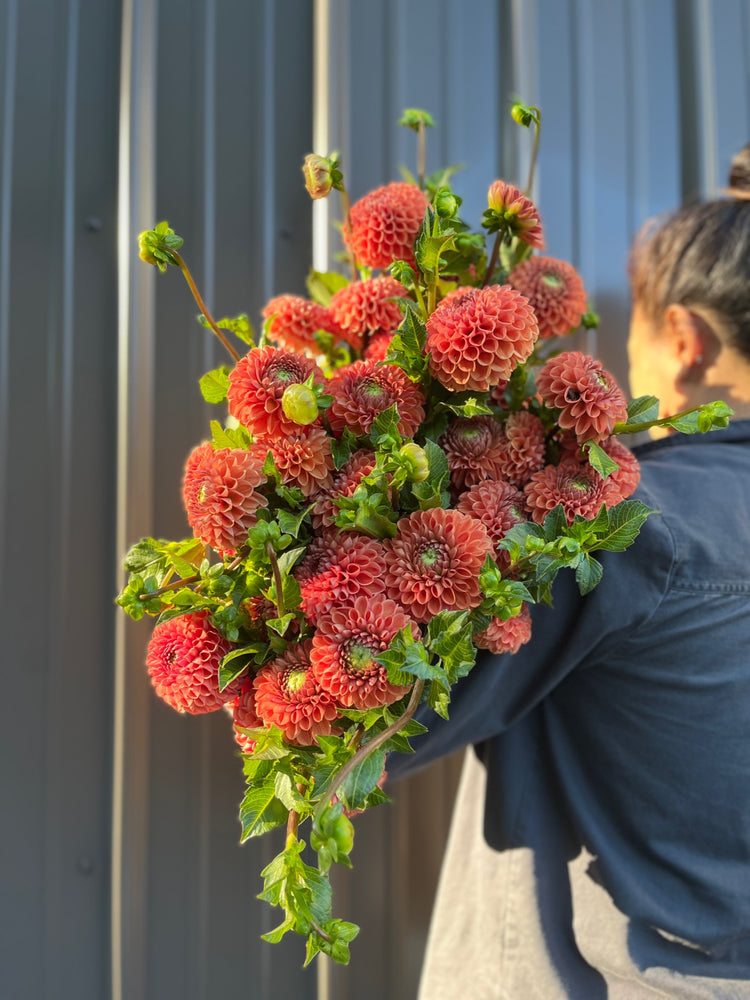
column 620, row 731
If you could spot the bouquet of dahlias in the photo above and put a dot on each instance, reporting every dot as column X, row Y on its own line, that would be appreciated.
column 408, row 460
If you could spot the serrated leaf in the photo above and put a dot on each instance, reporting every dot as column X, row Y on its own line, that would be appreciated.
column 215, row 384
column 236, row 662
column 588, row 574
column 362, row 779
column 261, row 811
column 280, row 625
column 438, row 699
column 289, row 523
column 600, row 460
column 449, row 637
column 229, row 437
column 288, row 559
column 555, row 523
column 471, row 406
column 323, row 285
column 624, row 521
column 341, row 448
column 643, row 409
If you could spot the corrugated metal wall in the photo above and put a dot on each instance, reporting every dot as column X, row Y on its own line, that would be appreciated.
column 119, row 817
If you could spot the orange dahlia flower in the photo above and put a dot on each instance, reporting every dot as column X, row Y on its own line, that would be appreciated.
column 518, row 212
column 365, row 308
column 579, row 488
column 303, row 458
column 337, row 569
column 296, row 321
column 589, row 399
column 345, row 481
column 256, row 387
column 498, row 506
column 385, row 223
column 476, row 450
column 288, row 695
column 183, row 660
column 555, row 291
column 365, row 389
column 506, row 636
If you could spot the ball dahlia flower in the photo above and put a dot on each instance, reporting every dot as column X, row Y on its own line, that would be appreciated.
column 365, row 389
column 220, row 493
column 498, row 506
column 433, row 563
column 257, row 384
column 385, row 223
column 183, row 658
column 345, row 481
column 589, row 399
column 555, row 291
column 339, row 568
column 296, row 321
column 344, row 647
column 518, row 212
column 506, row 636
column 621, row 483
column 476, row 338
column 524, row 450
column 377, row 348
column 244, row 715
column 579, row 488
column 288, row 695
column 366, row 308
column 476, row 450
column 303, row 458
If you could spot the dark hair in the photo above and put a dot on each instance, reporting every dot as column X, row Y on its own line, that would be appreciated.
column 700, row 256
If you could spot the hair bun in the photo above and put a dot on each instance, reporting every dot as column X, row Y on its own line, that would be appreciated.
column 739, row 174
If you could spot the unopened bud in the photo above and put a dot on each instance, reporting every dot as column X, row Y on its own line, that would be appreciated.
column 446, row 203
column 403, row 272
column 318, row 173
column 521, row 114
column 415, row 461
column 299, row 404
column 416, row 117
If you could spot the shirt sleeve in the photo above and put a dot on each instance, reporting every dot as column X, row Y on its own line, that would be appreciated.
column 573, row 634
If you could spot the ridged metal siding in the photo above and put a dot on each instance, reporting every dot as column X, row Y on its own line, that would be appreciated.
column 209, row 105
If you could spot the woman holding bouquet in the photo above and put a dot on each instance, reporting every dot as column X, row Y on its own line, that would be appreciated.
column 600, row 846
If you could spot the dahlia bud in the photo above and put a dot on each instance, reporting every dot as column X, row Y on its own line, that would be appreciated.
column 156, row 246
column 403, row 273
column 415, row 461
column 416, row 118
column 446, row 203
column 321, row 174
column 522, row 114
column 299, row 403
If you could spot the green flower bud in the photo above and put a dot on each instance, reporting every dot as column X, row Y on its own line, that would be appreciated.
column 414, row 117
column 403, row 272
column 446, row 203
column 299, row 404
column 318, row 176
column 415, row 461
column 521, row 114
column 155, row 246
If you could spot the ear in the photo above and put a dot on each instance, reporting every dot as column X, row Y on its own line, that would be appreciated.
column 689, row 340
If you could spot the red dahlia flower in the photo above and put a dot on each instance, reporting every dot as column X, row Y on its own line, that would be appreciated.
column 524, row 447
column 477, row 337
column 364, row 389
column 288, row 695
column 339, row 568
column 344, row 648
column 476, row 450
column 506, row 636
column 433, row 563
column 296, row 321
column 579, row 488
column 385, row 223
column 555, row 292
column 518, row 212
column 589, row 399
column 345, row 481
column 183, row 660
column 220, row 493
column 303, row 458
column 365, row 308
column 498, row 506
column 244, row 715
column 257, row 384
column 621, row 483
column 377, row 348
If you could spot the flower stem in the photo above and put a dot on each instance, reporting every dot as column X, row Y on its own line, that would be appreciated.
column 625, row 428
column 348, row 225
column 202, row 305
column 493, row 259
column 368, row 748
column 320, row 932
column 534, row 153
column 276, row 579
column 292, row 825
column 186, row 581
column 421, row 153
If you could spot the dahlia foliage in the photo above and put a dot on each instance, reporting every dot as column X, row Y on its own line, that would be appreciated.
column 407, row 459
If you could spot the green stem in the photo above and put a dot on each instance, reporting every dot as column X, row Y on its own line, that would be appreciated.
column 201, row 304
column 186, row 581
column 292, row 825
column 493, row 259
column 348, row 226
column 368, row 748
column 320, row 932
column 534, row 153
column 421, row 153
column 276, row 579
column 625, row 428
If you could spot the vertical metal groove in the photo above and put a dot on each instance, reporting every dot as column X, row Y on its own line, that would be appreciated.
column 134, row 494
column 707, row 92
column 6, row 195
column 269, row 151
column 321, row 125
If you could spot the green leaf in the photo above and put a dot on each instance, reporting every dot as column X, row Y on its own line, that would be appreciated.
column 240, row 326
column 289, row 523
column 229, row 437
column 260, row 810
column 438, row 699
column 287, row 560
column 280, row 625
column 600, row 460
column 467, row 406
column 236, row 662
column 384, row 429
column 323, row 285
column 362, row 780
column 588, row 574
column 624, row 521
column 214, row 385
column 642, row 410
column 341, row 448
column 449, row 637
column 407, row 658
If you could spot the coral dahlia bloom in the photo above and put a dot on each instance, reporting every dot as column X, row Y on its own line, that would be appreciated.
column 345, row 481
column 518, row 212
column 498, row 506
column 524, row 447
column 296, row 321
column 506, row 636
column 621, row 483
column 579, row 488
column 257, row 384
column 303, row 457
column 183, row 660
column 339, row 568
column 244, row 715
column 476, row 338
column 344, row 648
column 364, row 389
column 220, row 493
column 365, row 308
column 377, row 348
column 288, row 695
column 476, row 450
column 555, row 292
column 385, row 223
column 589, row 399
column 433, row 563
